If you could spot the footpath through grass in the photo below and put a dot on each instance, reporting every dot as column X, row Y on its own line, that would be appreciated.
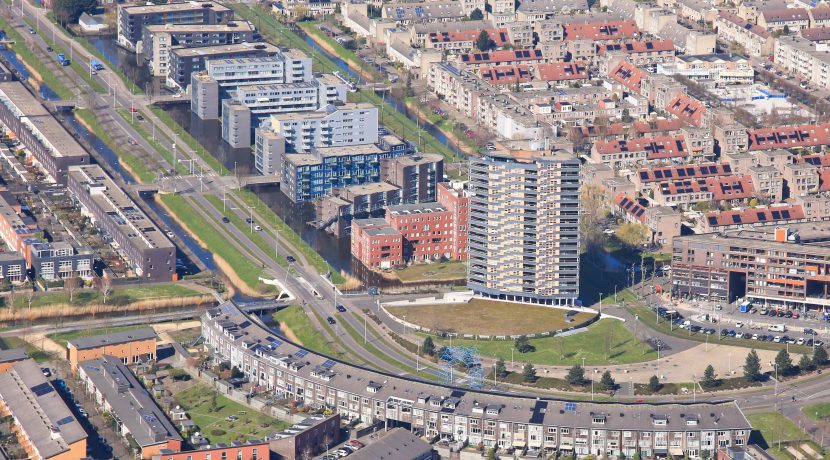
column 445, row 271
column 296, row 325
column 222, row 420
column 622, row 347
column 777, row 430
column 137, row 166
column 148, row 136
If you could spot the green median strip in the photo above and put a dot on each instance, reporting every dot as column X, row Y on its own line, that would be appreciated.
column 33, row 62
column 142, row 131
column 190, row 141
column 137, row 166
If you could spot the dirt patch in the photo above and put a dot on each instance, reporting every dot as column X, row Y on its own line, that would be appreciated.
column 289, row 334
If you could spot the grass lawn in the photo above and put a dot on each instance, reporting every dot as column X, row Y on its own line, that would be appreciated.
column 596, row 282
column 818, row 412
column 142, row 129
column 7, row 343
column 21, row 48
column 210, row 411
column 186, row 335
column 774, row 427
column 311, row 28
column 487, row 317
column 119, row 296
column 295, row 320
column 63, row 337
column 648, row 318
column 245, row 269
column 432, row 272
column 567, row 351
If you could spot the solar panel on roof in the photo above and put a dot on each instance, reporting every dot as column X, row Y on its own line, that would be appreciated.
column 419, row 11
column 776, row 215
column 643, row 175
column 300, row 353
column 713, row 220
column 328, row 364
column 65, row 420
column 681, row 172
column 785, row 214
column 736, row 218
column 399, row 13
column 727, row 168
column 761, row 216
column 42, row 389
column 570, row 406
column 668, row 173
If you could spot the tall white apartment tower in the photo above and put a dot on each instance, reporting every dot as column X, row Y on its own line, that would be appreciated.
column 524, row 227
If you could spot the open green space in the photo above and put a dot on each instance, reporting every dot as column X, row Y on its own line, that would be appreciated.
column 255, row 236
column 775, row 428
column 33, row 62
column 650, row 319
column 136, row 165
column 63, row 337
column 488, row 317
column 7, row 343
column 247, row 271
column 295, row 324
column 445, row 271
column 818, row 412
column 221, row 420
column 191, row 142
column 605, row 335
column 119, row 296
column 140, row 127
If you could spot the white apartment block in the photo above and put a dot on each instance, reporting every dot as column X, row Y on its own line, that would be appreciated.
column 331, row 126
column 809, row 61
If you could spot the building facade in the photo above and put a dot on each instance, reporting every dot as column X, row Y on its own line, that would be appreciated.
column 132, row 18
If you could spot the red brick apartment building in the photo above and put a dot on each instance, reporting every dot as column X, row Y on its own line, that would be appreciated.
column 415, row 232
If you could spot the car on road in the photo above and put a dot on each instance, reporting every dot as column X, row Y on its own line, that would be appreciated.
column 133, row 109
column 225, row 219
column 139, row 117
column 257, row 228
column 331, row 320
column 290, row 259
column 170, row 234
column 248, row 220
column 49, row 49
column 342, row 453
column 724, row 332
column 732, row 333
column 799, row 341
column 32, row 31
column 739, row 324
column 355, row 443
column 341, row 308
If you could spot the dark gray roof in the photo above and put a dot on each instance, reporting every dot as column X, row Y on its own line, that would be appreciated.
column 96, row 341
column 397, row 444
column 129, row 401
column 39, row 409
column 15, row 354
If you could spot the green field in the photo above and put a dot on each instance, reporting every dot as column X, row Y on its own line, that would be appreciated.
column 624, row 347
column 488, row 317
column 295, row 320
column 210, row 411
column 774, row 427
column 119, row 296
column 7, row 343
column 818, row 412
column 141, row 128
column 247, row 271
column 445, row 271
column 63, row 337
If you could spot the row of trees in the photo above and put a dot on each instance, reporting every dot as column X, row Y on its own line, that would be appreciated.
column 784, row 364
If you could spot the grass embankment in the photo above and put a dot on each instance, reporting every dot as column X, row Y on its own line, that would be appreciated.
column 63, row 337
column 221, row 420
column 191, row 142
column 397, row 122
column 7, row 343
column 255, row 236
column 119, row 296
column 244, row 270
column 487, row 317
column 132, row 87
column 623, row 347
column 136, row 166
column 648, row 317
column 37, row 68
column 818, row 412
column 786, row 441
column 296, row 325
column 352, row 59
column 313, row 257
column 446, row 271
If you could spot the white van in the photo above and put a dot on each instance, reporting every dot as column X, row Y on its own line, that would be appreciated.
column 777, row 328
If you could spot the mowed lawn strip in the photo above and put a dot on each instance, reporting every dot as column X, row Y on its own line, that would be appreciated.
column 818, row 412
column 250, row 424
column 624, row 347
column 432, row 272
column 487, row 317
column 120, row 296
column 774, row 427
column 295, row 319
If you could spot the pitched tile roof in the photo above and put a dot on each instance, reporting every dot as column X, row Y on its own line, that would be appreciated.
column 563, row 71
column 629, row 75
column 754, row 215
column 632, row 47
column 657, row 148
column 774, row 15
column 499, row 36
column 744, row 24
column 506, row 74
column 602, row 30
column 503, row 56
column 668, row 173
column 687, row 109
column 630, row 206
column 783, row 137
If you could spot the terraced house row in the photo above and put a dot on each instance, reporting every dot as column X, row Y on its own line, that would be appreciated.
column 444, row 412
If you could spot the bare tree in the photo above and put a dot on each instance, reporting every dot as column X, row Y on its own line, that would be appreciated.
column 30, row 297
column 105, row 287
column 71, row 284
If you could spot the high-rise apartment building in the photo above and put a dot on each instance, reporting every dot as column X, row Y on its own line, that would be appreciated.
column 524, row 226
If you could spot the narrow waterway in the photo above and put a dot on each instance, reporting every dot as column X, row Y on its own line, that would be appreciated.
column 11, row 57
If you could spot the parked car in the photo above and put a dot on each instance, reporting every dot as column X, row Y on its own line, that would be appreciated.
column 331, row 320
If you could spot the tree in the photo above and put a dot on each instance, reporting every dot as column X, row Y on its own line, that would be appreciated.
column 68, row 11
column 476, row 15
column 805, row 364
column 428, row 347
column 71, row 285
column 576, row 375
column 105, row 287
column 819, row 357
column 491, row 452
column 523, row 345
column 654, row 384
column 484, row 42
column 709, row 379
column 786, row 29
column 752, row 366
column 632, row 235
column 529, row 373
column 784, row 363
column 607, row 382
column 500, row 369
column 30, row 297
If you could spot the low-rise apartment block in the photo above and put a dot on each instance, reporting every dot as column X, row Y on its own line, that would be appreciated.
column 779, row 19
column 620, row 154
column 755, row 39
column 132, row 18
column 789, row 137
column 184, row 62
column 131, row 347
column 807, row 59
column 159, row 39
column 416, row 175
column 150, row 253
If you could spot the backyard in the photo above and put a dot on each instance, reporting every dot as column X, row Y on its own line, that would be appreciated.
column 488, row 317
column 221, row 420
column 605, row 342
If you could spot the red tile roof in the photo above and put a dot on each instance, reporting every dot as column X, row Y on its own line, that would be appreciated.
column 824, row 180
column 669, row 173
column 722, row 187
column 818, row 160
column 497, row 35
column 605, row 30
column 820, row 13
column 629, row 75
column 783, row 137
column 631, row 47
column 657, row 148
column 562, row 71
column 687, row 109
column 630, row 206
column 503, row 56
column 658, row 125
column 754, row 215
column 506, row 75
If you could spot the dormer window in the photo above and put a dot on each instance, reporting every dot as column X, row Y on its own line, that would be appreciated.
column 598, row 420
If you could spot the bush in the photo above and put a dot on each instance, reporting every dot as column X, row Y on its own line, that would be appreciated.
column 218, row 432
